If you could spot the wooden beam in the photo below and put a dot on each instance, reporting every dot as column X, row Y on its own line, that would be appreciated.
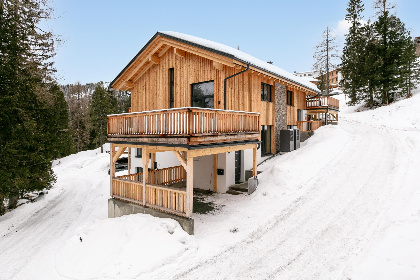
column 181, row 159
column 164, row 50
column 129, row 161
column 111, row 167
column 154, row 59
column 145, row 161
column 118, row 153
column 218, row 66
column 215, row 159
column 219, row 150
column 153, row 160
column 254, row 161
column 143, row 71
column 128, row 84
column 190, row 185
column 179, row 52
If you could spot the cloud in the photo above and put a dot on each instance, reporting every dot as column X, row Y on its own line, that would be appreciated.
column 342, row 27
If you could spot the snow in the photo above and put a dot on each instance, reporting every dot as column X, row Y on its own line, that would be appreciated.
column 344, row 206
column 240, row 55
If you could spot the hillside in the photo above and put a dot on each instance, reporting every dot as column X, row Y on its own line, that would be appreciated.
column 345, row 205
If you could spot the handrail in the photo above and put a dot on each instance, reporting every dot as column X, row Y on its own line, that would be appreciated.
column 323, row 101
column 164, row 176
column 183, row 122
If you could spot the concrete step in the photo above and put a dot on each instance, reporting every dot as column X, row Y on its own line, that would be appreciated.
column 238, row 189
column 234, row 192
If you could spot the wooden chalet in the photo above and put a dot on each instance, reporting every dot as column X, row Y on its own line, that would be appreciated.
column 197, row 109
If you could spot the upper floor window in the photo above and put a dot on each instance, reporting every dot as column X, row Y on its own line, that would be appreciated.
column 202, row 94
column 265, row 92
column 289, row 100
column 171, row 87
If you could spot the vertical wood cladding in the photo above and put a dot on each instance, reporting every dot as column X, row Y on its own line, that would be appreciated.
column 299, row 102
column 151, row 90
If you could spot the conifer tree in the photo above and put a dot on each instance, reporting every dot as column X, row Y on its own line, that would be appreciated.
column 352, row 57
column 103, row 103
column 25, row 69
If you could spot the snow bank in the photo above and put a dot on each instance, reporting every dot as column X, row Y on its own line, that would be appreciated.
column 122, row 247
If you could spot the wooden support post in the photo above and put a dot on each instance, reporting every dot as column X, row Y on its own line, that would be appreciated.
column 111, row 167
column 145, row 159
column 254, row 161
column 190, row 186
column 129, row 161
column 215, row 159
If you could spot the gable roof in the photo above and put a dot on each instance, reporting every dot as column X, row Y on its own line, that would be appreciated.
column 226, row 51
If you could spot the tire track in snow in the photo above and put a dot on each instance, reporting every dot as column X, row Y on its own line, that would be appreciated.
column 319, row 230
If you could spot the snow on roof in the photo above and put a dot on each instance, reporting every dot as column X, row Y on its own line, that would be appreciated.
column 240, row 56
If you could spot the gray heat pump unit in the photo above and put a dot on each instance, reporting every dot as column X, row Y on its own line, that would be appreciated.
column 296, row 138
column 287, row 143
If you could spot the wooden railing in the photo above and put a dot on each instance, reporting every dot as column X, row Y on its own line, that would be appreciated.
column 166, row 199
column 183, row 122
column 162, row 198
column 323, row 101
column 309, row 126
column 164, row 176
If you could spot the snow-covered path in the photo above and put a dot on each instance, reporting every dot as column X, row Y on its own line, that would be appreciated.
column 314, row 237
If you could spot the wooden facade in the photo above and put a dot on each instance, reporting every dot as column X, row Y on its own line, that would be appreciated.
column 169, row 66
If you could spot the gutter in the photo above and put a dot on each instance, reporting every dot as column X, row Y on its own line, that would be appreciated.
column 224, row 83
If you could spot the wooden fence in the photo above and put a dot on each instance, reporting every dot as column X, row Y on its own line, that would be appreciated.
column 309, row 126
column 183, row 122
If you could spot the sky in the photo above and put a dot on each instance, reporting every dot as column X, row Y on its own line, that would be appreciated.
column 99, row 38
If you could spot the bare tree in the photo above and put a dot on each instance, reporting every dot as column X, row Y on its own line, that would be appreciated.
column 324, row 54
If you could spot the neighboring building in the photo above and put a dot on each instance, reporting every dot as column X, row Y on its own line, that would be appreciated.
column 334, row 77
column 307, row 74
column 417, row 41
column 199, row 111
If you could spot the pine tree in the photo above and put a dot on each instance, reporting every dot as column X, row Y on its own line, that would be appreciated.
column 78, row 101
column 325, row 51
column 103, row 103
column 352, row 58
column 25, row 69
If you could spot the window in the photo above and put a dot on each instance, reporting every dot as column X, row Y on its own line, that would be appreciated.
column 289, row 98
column 265, row 92
column 171, row 87
column 265, row 140
column 202, row 94
column 138, row 152
column 139, row 169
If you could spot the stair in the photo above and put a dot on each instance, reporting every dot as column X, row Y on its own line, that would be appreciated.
column 241, row 188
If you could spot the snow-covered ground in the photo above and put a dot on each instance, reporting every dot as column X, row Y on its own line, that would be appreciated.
column 344, row 206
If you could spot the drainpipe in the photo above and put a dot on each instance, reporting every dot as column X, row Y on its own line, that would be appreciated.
column 224, row 88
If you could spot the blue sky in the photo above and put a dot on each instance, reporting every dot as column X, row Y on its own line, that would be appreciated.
column 100, row 37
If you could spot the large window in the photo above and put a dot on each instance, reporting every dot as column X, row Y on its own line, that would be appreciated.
column 265, row 92
column 171, row 87
column 265, row 140
column 289, row 98
column 202, row 95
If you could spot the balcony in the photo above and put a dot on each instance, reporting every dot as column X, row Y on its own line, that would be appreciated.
column 183, row 126
column 323, row 102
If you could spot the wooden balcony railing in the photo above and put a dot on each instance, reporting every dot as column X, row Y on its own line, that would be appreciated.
column 309, row 126
column 323, row 101
column 171, row 200
column 164, row 176
column 162, row 198
column 185, row 122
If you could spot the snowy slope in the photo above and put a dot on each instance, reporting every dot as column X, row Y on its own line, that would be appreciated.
column 346, row 205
